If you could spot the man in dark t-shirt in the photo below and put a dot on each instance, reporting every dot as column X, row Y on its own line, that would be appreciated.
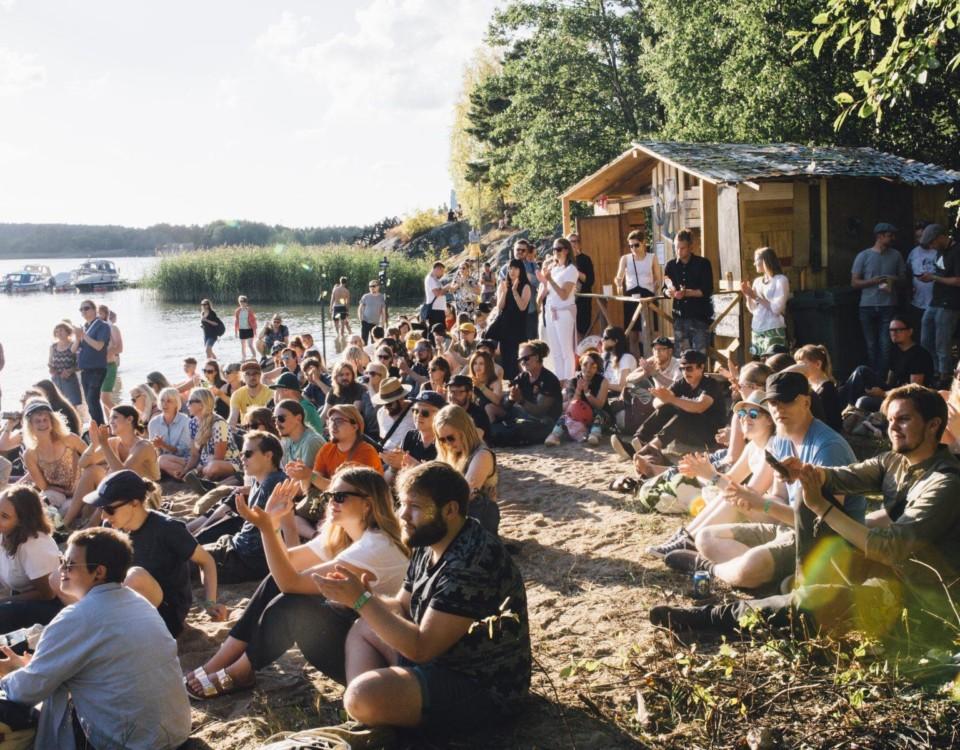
column 453, row 647
column 691, row 411
column 533, row 403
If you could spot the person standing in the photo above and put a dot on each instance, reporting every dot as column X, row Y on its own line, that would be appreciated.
column 62, row 364
column 435, row 306
column 92, row 340
column 340, row 308
column 513, row 300
column 488, row 285
column 690, row 281
column 560, row 309
column 212, row 327
column 940, row 319
column 638, row 275
column 767, row 301
column 245, row 327
column 372, row 310
column 114, row 349
column 585, row 281
column 876, row 273
column 922, row 259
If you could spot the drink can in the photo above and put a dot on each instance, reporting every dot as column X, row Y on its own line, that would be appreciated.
column 701, row 584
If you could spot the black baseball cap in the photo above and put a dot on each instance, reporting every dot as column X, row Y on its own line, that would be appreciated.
column 693, row 357
column 431, row 398
column 121, row 485
column 786, row 386
column 287, row 380
column 663, row 341
column 461, row 381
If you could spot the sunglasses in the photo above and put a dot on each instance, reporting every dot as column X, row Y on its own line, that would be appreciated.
column 448, row 439
column 210, row 372
column 634, row 244
column 422, row 412
column 248, row 453
column 340, row 497
column 85, row 308
column 68, row 566
column 384, row 356
column 287, row 356
column 280, row 418
column 752, row 413
column 111, row 509
column 194, row 401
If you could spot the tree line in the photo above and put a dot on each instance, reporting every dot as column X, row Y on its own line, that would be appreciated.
column 564, row 86
column 76, row 240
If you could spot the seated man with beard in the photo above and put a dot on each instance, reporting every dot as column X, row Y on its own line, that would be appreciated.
column 417, row 659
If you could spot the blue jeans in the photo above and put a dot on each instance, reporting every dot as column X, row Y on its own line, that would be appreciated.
column 928, row 333
column 92, row 380
column 690, row 333
column 860, row 381
column 875, row 322
column 944, row 323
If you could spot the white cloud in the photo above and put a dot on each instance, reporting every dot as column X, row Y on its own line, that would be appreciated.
column 19, row 72
column 228, row 93
column 11, row 152
column 7, row 4
column 404, row 55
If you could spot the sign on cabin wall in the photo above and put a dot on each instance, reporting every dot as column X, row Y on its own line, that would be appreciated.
column 730, row 324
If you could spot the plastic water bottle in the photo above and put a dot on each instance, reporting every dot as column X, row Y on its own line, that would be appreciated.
column 30, row 636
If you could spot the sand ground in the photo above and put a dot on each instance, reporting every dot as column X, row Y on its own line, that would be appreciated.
column 589, row 586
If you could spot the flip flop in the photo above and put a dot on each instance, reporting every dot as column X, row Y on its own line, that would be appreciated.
column 224, row 686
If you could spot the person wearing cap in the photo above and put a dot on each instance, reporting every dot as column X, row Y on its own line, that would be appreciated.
column 940, row 319
column 394, row 415
column 251, row 393
column 904, row 552
column 460, row 392
column 635, row 403
column 346, row 446
column 689, row 280
column 777, row 544
column 922, row 259
column 662, row 366
column 464, row 347
column 372, row 310
column 690, row 411
column 877, row 272
column 420, row 444
column 418, row 373
column 288, row 387
column 162, row 550
column 755, row 423
column 52, row 455
column 105, row 669
column 300, row 443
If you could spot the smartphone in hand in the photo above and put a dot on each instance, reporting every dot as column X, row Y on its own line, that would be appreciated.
column 776, row 465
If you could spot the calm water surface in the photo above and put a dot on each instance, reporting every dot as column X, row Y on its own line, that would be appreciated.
column 156, row 335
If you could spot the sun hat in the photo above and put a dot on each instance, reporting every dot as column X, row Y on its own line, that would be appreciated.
column 391, row 389
column 754, row 400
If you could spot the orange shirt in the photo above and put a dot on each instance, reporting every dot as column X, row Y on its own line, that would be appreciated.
column 330, row 457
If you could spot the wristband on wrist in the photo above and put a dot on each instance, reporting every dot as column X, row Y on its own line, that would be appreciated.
column 827, row 511
column 361, row 600
column 766, row 505
column 209, row 603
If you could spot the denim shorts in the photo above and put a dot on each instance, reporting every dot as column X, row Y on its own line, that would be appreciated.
column 452, row 701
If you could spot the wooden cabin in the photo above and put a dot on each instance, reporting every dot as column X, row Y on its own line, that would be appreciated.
column 816, row 206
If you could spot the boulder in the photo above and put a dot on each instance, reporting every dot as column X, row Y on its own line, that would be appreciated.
column 452, row 236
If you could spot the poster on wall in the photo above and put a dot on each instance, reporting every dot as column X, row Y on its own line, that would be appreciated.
column 729, row 325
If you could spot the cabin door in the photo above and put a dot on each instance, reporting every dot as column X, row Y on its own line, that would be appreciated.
column 603, row 238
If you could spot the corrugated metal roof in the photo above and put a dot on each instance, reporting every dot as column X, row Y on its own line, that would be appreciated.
column 743, row 162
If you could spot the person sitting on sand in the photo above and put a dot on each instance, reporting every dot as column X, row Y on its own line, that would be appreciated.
column 300, row 443
column 460, row 391
column 251, row 393
column 318, row 382
column 28, row 556
column 590, row 388
column 239, row 556
column 394, row 412
column 162, row 550
column 360, row 532
column 145, row 402
column 169, row 432
column 345, row 389
column 52, row 456
column 690, row 411
column 533, row 403
column 420, row 444
column 213, row 449
column 191, row 377
column 287, row 388
column 460, row 445
column 412, row 658
column 106, row 669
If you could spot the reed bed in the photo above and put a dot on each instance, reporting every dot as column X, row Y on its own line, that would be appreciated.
column 284, row 273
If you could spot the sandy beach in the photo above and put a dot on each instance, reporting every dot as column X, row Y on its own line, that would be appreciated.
column 589, row 587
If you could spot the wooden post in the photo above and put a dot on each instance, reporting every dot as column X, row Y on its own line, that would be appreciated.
column 728, row 230
column 565, row 208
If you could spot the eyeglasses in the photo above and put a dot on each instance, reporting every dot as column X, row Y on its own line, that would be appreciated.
column 111, row 509
column 248, row 453
column 752, row 413
column 280, row 418
column 338, row 422
column 448, row 439
column 340, row 497
column 70, row 565
column 194, row 401
column 898, row 330
column 422, row 412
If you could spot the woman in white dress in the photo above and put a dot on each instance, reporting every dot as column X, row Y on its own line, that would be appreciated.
column 559, row 281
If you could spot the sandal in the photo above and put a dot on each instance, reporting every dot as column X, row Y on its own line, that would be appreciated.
column 624, row 484
column 224, row 684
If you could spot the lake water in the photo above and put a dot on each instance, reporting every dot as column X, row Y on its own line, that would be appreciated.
column 156, row 335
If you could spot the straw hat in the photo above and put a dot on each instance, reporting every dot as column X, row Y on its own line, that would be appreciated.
column 391, row 389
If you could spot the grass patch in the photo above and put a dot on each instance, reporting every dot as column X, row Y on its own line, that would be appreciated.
column 284, row 273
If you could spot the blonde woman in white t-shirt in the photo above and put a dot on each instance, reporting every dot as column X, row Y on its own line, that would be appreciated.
column 360, row 533
column 28, row 555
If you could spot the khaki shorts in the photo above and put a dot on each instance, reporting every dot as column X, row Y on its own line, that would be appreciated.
column 779, row 540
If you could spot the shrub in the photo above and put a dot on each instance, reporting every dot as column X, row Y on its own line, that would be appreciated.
column 417, row 223
column 284, row 273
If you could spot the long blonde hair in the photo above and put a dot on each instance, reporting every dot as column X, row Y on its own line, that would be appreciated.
column 58, row 426
column 382, row 516
column 456, row 418
column 207, row 415
column 355, row 356
column 149, row 401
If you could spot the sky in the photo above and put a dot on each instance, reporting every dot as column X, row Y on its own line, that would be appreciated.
column 295, row 113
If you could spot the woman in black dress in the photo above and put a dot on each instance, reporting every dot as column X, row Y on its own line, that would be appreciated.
column 513, row 298
column 212, row 326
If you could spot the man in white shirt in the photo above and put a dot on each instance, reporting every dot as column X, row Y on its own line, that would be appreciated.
column 436, row 294
column 393, row 408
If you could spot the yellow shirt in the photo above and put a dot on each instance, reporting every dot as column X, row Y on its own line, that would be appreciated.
column 241, row 400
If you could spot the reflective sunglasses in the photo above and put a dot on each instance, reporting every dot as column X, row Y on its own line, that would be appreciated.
column 340, row 497
column 752, row 413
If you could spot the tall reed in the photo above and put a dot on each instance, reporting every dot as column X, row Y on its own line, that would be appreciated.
column 284, row 273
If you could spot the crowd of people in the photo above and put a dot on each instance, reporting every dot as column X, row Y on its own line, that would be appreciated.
column 361, row 495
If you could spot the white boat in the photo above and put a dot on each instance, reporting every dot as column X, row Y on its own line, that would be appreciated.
column 96, row 274
column 33, row 278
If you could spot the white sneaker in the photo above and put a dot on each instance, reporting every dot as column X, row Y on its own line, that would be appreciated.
column 553, row 439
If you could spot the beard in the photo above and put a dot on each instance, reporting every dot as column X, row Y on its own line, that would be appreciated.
column 427, row 534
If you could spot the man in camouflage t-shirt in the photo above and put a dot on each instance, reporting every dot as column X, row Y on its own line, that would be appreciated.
column 452, row 651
